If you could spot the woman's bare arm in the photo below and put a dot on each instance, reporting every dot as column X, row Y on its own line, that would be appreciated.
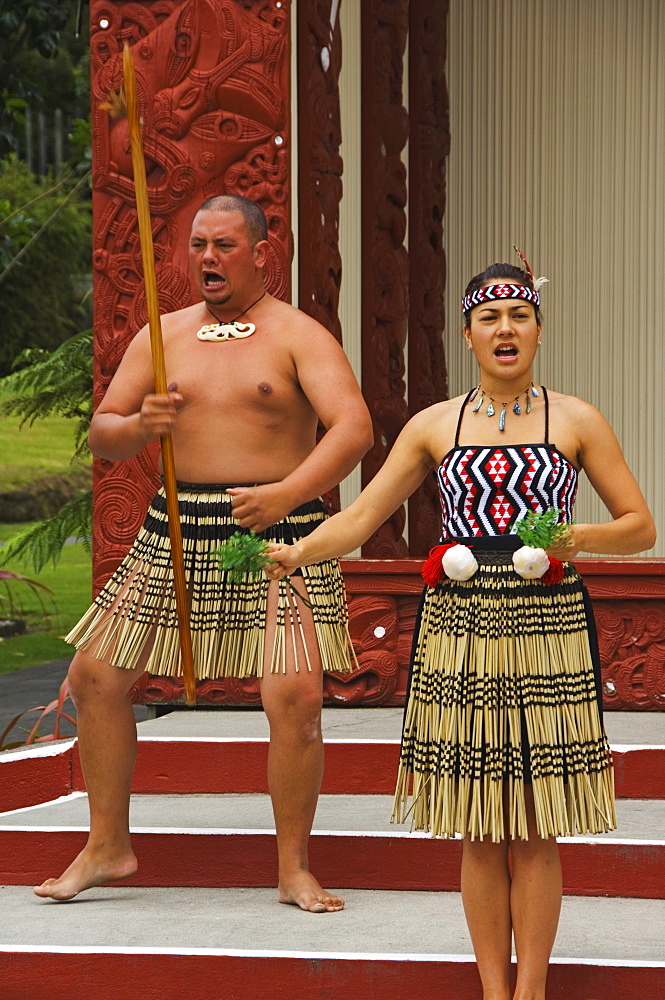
column 632, row 528
column 405, row 468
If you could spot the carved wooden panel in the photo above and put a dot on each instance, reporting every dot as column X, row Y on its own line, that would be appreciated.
column 320, row 164
column 320, row 171
column 385, row 264
column 429, row 145
column 213, row 81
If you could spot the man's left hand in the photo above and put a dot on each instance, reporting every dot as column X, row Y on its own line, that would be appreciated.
column 258, row 507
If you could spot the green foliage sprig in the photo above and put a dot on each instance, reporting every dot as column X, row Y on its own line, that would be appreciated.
column 244, row 554
column 542, row 531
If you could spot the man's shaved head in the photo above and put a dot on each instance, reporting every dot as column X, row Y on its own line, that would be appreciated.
column 255, row 220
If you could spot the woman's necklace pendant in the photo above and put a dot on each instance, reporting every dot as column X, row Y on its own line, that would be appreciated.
column 480, row 395
column 220, row 332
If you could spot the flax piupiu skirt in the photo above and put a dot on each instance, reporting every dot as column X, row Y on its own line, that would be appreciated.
column 504, row 693
column 227, row 619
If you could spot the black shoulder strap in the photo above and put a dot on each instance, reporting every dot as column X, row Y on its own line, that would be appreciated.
column 547, row 415
column 461, row 414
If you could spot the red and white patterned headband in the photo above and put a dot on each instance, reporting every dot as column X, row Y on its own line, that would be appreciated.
column 502, row 291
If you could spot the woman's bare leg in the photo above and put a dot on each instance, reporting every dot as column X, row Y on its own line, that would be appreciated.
column 535, row 905
column 486, row 899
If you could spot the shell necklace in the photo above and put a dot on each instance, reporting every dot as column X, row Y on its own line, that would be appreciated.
column 482, row 394
column 231, row 330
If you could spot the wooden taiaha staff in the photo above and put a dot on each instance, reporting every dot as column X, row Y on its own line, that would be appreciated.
column 159, row 368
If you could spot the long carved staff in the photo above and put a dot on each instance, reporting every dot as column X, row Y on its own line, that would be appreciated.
column 157, row 348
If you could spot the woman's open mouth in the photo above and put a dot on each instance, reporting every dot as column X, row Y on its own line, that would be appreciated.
column 506, row 352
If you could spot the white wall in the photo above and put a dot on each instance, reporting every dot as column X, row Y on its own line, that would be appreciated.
column 558, row 145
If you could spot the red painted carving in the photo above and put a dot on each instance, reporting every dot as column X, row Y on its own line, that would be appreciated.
column 384, row 257
column 213, row 81
column 630, row 635
column 429, row 145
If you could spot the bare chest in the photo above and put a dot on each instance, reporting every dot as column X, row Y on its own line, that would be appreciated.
column 249, row 374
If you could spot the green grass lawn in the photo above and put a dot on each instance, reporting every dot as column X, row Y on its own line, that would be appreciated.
column 32, row 452
column 70, row 582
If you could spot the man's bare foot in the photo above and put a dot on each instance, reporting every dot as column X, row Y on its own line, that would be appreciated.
column 302, row 889
column 87, row 870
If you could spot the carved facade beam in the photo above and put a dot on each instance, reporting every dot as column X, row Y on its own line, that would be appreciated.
column 385, row 268
column 429, row 145
column 320, row 171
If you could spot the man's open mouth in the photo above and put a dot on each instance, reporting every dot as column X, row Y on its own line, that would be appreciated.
column 212, row 280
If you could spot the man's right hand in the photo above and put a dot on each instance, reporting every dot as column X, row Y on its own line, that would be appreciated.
column 159, row 413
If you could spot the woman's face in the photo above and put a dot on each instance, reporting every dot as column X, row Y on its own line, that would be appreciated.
column 504, row 336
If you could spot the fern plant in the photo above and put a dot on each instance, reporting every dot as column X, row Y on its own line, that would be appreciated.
column 542, row 531
column 47, row 383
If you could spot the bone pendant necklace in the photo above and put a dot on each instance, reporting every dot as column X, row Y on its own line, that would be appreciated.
column 232, row 330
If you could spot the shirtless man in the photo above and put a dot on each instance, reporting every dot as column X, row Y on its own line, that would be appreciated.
column 240, row 411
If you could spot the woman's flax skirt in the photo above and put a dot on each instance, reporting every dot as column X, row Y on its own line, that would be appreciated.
column 228, row 619
column 505, row 692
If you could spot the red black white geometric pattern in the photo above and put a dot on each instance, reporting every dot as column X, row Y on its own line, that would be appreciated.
column 485, row 490
column 502, row 291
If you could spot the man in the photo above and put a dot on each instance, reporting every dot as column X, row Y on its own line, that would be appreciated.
column 249, row 379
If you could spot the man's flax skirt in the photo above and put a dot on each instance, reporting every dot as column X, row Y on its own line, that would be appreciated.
column 505, row 692
column 228, row 620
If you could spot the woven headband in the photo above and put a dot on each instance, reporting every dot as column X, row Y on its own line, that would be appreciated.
column 486, row 294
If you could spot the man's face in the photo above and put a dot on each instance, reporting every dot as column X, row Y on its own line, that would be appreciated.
column 223, row 263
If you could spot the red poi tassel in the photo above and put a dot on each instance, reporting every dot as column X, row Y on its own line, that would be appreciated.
column 555, row 573
column 432, row 571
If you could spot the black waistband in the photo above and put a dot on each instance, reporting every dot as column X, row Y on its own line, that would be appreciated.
column 488, row 543
column 184, row 487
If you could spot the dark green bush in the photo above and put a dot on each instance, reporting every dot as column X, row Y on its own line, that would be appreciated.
column 40, row 305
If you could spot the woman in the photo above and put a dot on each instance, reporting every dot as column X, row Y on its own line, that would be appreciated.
column 503, row 736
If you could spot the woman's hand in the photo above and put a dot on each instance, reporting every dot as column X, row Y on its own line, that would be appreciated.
column 574, row 543
column 284, row 559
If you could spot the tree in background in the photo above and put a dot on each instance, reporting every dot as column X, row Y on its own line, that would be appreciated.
column 45, row 240
column 42, row 64
column 45, row 223
column 45, row 244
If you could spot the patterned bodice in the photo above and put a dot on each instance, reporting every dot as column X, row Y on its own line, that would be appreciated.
column 484, row 490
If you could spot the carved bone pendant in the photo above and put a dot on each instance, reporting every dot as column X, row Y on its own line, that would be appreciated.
column 226, row 331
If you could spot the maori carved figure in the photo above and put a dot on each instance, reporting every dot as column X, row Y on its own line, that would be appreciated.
column 385, row 261
column 429, row 145
column 213, row 80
